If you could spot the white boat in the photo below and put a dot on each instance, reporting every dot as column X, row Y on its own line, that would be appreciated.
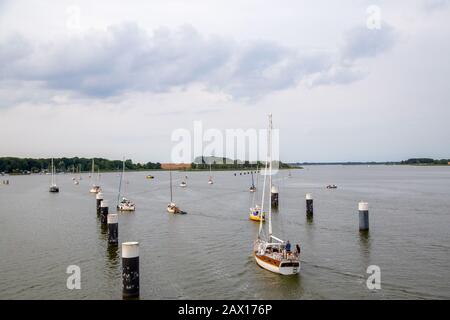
column 124, row 204
column 183, row 184
column 210, row 180
column 172, row 207
column 273, row 253
column 53, row 187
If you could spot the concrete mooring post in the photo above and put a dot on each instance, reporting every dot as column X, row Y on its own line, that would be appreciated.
column 130, row 269
column 274, row 196
column 113, row 228
column 363, row 208
column 104, row 212
column 98, row 200
column 309, row 204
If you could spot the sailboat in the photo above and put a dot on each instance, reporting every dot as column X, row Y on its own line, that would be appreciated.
column 253, row 188
column 256, row 213
column 95, row 187
column 75, row 180
column 183, row 183
column 210, row 180
column 273, row 253
column 124, row 204
column 172, row 207
column 53, row 186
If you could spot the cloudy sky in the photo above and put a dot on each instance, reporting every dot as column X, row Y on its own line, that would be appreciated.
column 345, row 80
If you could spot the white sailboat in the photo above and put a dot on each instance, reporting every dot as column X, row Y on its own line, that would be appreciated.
column 172, row 207
column 210, row 180
column 53, row 187
column 95, row 187
column 273, row 253
column 124, row 204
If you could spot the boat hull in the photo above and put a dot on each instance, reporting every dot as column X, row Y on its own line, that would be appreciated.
column 276, row 268
column 256, row 218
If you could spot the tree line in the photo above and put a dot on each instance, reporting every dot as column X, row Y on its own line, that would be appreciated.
column 428, row 161
column 30, row 165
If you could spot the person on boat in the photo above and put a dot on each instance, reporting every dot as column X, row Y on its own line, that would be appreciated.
column 297, row 247
column 288, row 247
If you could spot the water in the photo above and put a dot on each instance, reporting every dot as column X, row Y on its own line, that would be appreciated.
column 206, row 254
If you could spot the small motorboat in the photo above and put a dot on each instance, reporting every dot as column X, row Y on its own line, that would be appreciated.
column 256, row 214
column 149, row 177
column 331, row 186
column 183, row 184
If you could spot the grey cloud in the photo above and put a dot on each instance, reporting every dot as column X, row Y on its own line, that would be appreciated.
column 366, row 43
column 433, row 5
column 126, row 57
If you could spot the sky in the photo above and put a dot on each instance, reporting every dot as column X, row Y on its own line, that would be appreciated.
column 348, row 80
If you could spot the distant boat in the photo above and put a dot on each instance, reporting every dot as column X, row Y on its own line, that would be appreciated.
column 256, row 214
column 172, row 207
column 149, row 177
column 331, row 186
column 272, row 253
column 95, row 187
column 53, row 187
column 183, row 184
column 124, row 204
column 210, row 180
column 252, row 187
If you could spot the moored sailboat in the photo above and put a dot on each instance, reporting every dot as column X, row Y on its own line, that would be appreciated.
column 95, row 187
column 53, row 187
column 172, row 207
column 273, row 253
column 124, row 204
column 253, row 188
column 210, row 180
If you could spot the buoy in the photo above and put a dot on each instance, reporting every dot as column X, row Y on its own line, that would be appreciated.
column 130, row 269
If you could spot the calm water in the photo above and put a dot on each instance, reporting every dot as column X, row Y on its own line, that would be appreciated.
column 207, row 253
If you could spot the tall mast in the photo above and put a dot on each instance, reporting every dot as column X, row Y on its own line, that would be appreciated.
column 93, row 165
column 170, row 186
column 253, row 181
column 120, row 181
column 53, row 174
column 270, row 175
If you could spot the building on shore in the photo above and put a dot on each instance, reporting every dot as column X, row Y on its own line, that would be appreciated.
column 175, row 166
